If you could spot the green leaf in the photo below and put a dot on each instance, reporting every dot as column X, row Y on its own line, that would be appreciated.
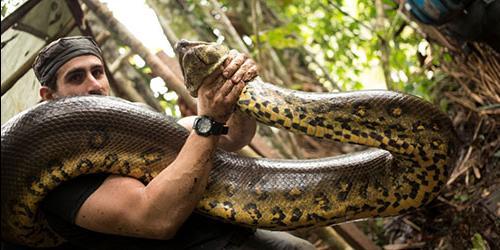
column 461, row 197
column 163, row 104
column 409, row 88
column 443, row 104
column 4, row 10
column 357, row 86
column 447, row 57
column 282, row 37
column 478, row 243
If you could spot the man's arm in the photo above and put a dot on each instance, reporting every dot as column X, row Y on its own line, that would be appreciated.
column 124, row 206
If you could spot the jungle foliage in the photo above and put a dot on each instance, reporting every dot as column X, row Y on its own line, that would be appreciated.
column 344, row 45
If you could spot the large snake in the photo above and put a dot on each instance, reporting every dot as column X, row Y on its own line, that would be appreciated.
column 59, row 140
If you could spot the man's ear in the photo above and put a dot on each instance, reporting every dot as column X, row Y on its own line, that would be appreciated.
column 46, row 93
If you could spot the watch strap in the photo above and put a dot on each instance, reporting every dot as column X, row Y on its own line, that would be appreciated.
column 216, row 128
column 220, row 129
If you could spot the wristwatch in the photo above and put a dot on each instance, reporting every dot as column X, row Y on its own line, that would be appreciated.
column 206, row 126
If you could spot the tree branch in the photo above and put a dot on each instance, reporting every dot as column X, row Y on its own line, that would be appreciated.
column 157, row 66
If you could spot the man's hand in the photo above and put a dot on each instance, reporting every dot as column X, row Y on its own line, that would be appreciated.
column 220, row 91
column 239, row 67
column 217, row 97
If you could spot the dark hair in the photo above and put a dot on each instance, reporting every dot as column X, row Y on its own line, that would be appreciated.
column 57, row 53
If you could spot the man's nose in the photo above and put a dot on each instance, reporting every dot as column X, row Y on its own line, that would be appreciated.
column 94, row 86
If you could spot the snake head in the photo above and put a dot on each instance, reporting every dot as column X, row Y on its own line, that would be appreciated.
column 198, row 60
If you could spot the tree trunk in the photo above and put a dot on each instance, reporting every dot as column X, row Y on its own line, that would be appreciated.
column 382, row 41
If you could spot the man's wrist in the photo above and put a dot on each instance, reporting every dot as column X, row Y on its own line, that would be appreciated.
column 206, row 126
column 217, row 118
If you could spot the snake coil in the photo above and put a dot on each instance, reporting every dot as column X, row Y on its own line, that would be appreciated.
column 414, row 149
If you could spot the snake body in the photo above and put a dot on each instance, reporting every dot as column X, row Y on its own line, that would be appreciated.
column 59, row 140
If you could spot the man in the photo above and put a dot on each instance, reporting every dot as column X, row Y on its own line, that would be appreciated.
column 118, row 212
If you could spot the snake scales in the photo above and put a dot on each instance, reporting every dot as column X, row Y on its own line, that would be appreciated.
column 59, row 140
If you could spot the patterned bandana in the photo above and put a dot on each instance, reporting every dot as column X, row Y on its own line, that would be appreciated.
column 57, row 53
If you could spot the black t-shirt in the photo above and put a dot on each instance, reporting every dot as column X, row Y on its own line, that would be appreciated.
column 62, row 204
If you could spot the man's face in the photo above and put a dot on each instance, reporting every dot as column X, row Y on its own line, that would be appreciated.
column 82, row 75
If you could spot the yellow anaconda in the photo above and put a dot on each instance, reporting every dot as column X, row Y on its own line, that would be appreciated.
column 59, row 140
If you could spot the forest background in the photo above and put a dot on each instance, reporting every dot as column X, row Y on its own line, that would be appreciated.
column 335, row 45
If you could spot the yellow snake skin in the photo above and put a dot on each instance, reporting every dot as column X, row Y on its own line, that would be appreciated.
column 59, row 140
column 418, row 141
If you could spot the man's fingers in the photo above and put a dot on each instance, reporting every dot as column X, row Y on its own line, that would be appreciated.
column 231, row 55
column 234, row 95
column 226, row 88
column 246, row 72
column 251, row 73
column 234, row 65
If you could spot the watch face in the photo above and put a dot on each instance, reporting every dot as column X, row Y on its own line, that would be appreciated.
column 204, row 125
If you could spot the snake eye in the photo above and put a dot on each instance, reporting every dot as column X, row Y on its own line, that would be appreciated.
column 181, row 47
